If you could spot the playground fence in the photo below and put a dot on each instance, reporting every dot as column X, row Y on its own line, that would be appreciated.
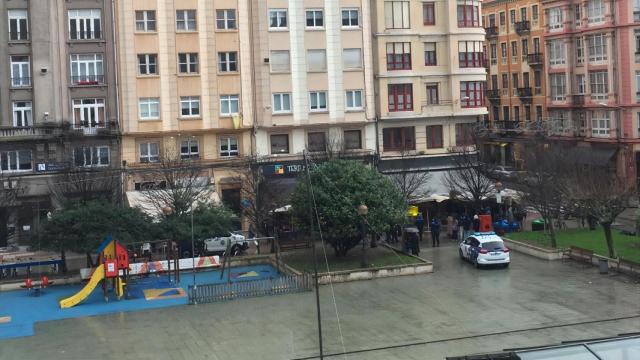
column 208, row 293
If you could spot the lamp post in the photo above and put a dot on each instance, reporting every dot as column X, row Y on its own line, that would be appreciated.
column 167, row 211
column 193, row 251
column 363, row 210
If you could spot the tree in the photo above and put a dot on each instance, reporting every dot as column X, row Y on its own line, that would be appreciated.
column 340, row 186
column 10, row 190
column 469, row 178
column 408, row 181
column 82, row 185
column 259, row 198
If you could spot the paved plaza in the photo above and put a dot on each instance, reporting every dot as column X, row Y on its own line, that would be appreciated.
column 455, row 311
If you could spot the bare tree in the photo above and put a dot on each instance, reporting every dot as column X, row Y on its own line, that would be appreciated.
column 10, row 190
column 258, row 196
column 86, row 184
column 469, row 178
column 409, row 181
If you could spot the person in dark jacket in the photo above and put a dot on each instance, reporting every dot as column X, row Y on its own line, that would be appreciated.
column 435, row 231
column 420, row 225
column 476, row 223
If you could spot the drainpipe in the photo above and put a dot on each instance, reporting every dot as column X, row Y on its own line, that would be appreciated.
column 253, row 81
column 117, row 91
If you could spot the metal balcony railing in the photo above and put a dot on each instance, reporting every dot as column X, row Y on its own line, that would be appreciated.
column 525, row 94
column 20, row 81
column 86, row 80
column 523, row 27
column 535, row 59
column 492, row 31
column 18, row 35
column 85, row 35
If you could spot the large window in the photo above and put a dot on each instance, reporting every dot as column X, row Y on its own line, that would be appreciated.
column 352, row 59
column 595, row 11
column 556, row 52
column 399, row 138
column 146, row 20
column 315, row 19
column 189, row 149
column 470, row 54
column 281, row 103
column 279, row 144
column 430, row 54
column 352, row 139
column 278, row 19
column 18, row 25
column 188, row 63
column 226, row 19
column 503, row 53
column 317, row 60
column 148, row 64
column 434, row 137
column 17, row 160
column 20, row 71
column 279, row 61
column 555, row 18
column 400, row 97
column 579, row 51
column 472, row 94
column 396, row 14
column 600, row 123
column 85, row 24
column 464, row 134
column 350, row 18
column 432, row 94
column 22, row 114
column 229, row 146
column 317, row 101
column 429, row 13
column 581, row 85
column 229, row 105
column 558, row 86
column 149, row 152
column 91, row 156
column 317, row 141
column 186, row 20
column 468, row 13
column 399, row 56
column 88, row 113
column 149, row 108
column 514, row 52
column 228, row 61
column 597, row 48
column 599, row 85
column 354, row 99
column 87, row 69
column 189, row 106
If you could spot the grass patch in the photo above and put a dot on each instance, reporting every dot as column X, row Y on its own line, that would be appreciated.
column 380, row 256
column 626, row 246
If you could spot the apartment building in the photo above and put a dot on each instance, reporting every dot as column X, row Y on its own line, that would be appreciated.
column 430, row 81
column 593, row 78
column 58, row 104
column 516, row 78
column 186, row 90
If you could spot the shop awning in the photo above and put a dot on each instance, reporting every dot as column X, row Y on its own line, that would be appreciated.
column 140, row 200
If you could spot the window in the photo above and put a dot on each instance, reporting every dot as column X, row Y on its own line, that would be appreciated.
column 317, row 101
column 399, row 138
column 527, row 113
column 188, row 63
column 492, row 20
column 399, row 56
column 85, row 24
column 600, row 123
column 352, row 139
column 470, row 54
column 189, row 149
column 20, row 71
column 637, row 52
column 226, row 19
column 556, row 52
column 636, row 10
column 516, row 113
column 229, row 146
column 400, row 97
column 350, row 18
column 278, row 18
column 537, row 82
column 281, row 103
column 396, row 14
column 538, row 112
column 88, row 113
column 352, row 59
column 429, row 13
column 468, row 13
column 505, row 81
column 494, row 53
column 189, row 106
column 515, row 82
column 514, row 52
column 494, row 81
column 432, row 94
column 638, row 86
column 17, row 160
column 22, row 115
column 512, row 16
column 91, row 156
column 149, row 108
column 503, row 18
column 315, row 19
column 464, row 134
column 18, row 25
column 87, row 69
column 525, row 48
column 434, row 137
column 317, row 60
column 279, row 61
column 503, row 53
column 186, row 20
column 228, row 61
column 534, row 12
column 229, row 105
column 430, row 55
column 148, row 64
column 599, row 85
column 280, row 144
column 536, row 45
column 146, row 20
column 149, row 152
column 505, row 113
column 558, row 86
column 523, row 14
column 580, row 84
column 597, row 48
column 555, row 18
column 316, row 141
column 354, row 99
column 577, row 14
column 595, row 11
column 472, row 94
column 579, row 51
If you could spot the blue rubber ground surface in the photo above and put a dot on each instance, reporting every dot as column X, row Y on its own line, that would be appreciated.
column 25, row 310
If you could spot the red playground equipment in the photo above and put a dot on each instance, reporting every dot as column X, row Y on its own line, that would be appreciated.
column 36, row 287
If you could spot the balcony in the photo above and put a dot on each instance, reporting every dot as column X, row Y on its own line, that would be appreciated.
column 85, row 35
column 523, row 27
column 508, row 127
column 577, row 100
column 535, row 59
column 18, row 36
column 492, row 32
column 18, row 82
column 96, row 129
column 525, row 94
column 87, row 80
column 493, row 95
column 31, row 132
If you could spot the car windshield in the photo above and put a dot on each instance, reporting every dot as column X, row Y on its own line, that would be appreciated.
column 491, row 245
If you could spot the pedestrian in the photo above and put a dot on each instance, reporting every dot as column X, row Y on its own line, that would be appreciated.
column 420, row 225
column 454, row 233
column 435, row 231
column 476, row 223
column 464, row 225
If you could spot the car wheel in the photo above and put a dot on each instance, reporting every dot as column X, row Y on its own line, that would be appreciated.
column 460, row 252
column 235, row 250
column 476, row 264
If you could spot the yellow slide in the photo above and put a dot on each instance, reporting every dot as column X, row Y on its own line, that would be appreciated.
column 74, row 300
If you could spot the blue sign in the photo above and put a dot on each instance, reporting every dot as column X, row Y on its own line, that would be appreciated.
column 42, row 167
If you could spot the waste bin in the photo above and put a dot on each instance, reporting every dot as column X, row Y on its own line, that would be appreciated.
column 537, row 225
column 603, row 265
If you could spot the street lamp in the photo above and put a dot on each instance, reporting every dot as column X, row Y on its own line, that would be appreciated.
column 363, row 210
column 167, row 211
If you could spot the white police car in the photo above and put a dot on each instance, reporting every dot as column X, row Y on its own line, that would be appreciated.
column 484, row 249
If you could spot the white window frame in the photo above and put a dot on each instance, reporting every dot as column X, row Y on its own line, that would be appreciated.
column 600, row 123
column 184, row 23
column 597, row 48
column 595, row 11
column 579, row 50
column 282, row 21
column 229, row 23
column 556, row 19
column 349, row 12
column 20, row 71
column 85, row 20
column 581, row 84
column 558, row 81
column 353, row 96
column 229, row 101
column 228, row 142
column 93, row 155
column 397, row 15
column 87, row 69
column 5, row 161
column 190, row 101
column 22, row 113
column 144, row 24
column 91, row 107
column 150, row 156
column 146, row 107
column 225, row 62
column 17, row 15
column 150, row 60
column 317, row 17
column 190, row 154
column 191, row 59
column 278, row 102
column 557, row 52
column 316, row 97
column 599, row 85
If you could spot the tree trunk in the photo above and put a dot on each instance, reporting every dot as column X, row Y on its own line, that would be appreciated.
column 552, row 235
column 606, row 226
column 63, row 257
